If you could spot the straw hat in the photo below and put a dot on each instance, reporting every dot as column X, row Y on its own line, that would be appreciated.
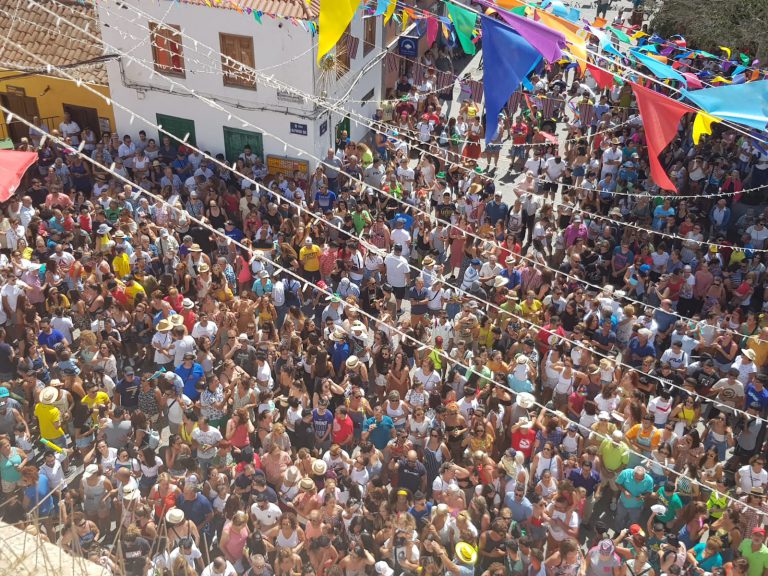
column 306, row 484
column 174, row 516
column 428, row 261
column 176, row 320
column 319, row 467
column 292, row 475
column 352, row 362
column 500, row 281
column 49, row 395
column 203, row 268
column 187, row 304
column 338, row 334
column 749, row 353
column 466, row 553
column 131, row 492
column 165, row 325
column 195, row 248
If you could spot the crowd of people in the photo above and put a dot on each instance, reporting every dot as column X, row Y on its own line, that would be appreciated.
column 404, row 363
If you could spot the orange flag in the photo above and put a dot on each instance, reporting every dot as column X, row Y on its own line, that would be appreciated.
column 570, row 30
column 509, row 4
column 599, row 22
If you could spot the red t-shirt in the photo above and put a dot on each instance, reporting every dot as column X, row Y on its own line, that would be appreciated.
column 523, row 440
column 342, row 429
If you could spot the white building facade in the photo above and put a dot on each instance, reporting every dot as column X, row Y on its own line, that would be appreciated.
column 276, row 47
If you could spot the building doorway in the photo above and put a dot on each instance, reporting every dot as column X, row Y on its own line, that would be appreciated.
column 22, row 106
column 85, row 117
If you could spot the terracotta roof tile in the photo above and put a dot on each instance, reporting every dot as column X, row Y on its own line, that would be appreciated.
column 36, row 30
column 301, row 9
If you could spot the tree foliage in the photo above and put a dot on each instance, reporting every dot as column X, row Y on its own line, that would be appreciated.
column 742, row 25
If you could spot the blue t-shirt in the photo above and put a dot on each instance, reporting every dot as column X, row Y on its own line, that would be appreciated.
column 40, row 493
column 190, row 377
column 521, row 510
column 195, row 510
column 325, row 201
column 129, row 392
column 381, row 435
column 322, row 422
column 752, row 396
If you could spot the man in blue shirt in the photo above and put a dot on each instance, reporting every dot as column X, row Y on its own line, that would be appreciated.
column 496, row 209
column 127, row 390
column 322, row 419
column 378, row 428
column 232, row 231
column 196, row 507
column 48, row 338
column 640, row 346
column 324, row 199
column 588, row 479
column 518, row 504
column 636, row 484
column 756, row 393
column 191, row 373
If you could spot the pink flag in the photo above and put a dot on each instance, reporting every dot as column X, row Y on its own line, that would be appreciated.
column 433, row 26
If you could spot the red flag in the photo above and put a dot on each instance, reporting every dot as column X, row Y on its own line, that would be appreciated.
column 661, row 116
column 604, row 79
column 432, row 28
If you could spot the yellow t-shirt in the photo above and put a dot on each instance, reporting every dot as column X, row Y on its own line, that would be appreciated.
column 309, row 256
column 48, row 416
column 132, row 290
column 101, row 399
column 121, row 264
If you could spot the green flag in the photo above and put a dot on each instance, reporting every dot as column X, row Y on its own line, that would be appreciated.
column 464, row 23
column 520, row 10
column 619, row 35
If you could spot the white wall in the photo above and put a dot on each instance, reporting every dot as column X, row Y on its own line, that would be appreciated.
column 284, row 50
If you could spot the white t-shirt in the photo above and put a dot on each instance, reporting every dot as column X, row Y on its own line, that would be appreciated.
column 267, row 517
column 397, row 269
column 554, row 169
column 660, row 409
column 610, row 155
column 402, row 237
column 190, row 558
column 209, row 330
column 181, row 347
column 210, row 438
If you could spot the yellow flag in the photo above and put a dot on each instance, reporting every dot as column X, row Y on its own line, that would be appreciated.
column 726, row 50
column 570, row 30
column 702, row 124
column 639, row 34
column 390, row 11
column 335, row 16
column 405, row 20
column 720, row 79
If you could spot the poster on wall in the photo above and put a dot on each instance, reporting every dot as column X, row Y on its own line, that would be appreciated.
column 287, row 166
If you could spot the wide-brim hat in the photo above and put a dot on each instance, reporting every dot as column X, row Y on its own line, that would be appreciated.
column 428, row 261
column 466, row 553
column 164, row 325
column 338, row 334
column 306, row 484
column 352, row 362
column 49, row 395
column 525, row 400
column 292, row 475
column 176, row 320
column 500, row 281
column 319, row 467
column 195, row 248
column 131, row 492
column 174, row 516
